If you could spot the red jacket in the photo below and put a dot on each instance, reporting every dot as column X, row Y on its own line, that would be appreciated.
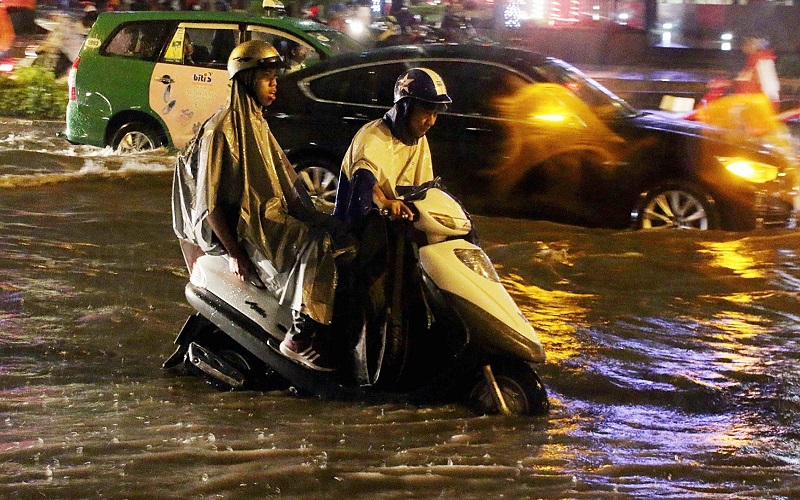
column 759, row 75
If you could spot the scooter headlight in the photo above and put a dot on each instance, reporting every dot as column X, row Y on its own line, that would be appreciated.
column 450, row 222
column 478, row 261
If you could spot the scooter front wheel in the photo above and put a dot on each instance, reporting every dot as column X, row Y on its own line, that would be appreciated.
column 513, row 389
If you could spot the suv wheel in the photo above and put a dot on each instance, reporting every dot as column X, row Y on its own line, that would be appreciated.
column 321, row 180
column 134, row 137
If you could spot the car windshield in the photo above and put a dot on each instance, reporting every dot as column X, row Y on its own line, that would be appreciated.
column 337, row 41
column 604, row 103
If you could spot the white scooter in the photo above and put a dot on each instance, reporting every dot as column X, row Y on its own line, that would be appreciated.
column 444, row 329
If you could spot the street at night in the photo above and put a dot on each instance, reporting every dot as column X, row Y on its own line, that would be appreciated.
column 672, row 361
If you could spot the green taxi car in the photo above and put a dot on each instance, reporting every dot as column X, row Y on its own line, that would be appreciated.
column 144, row 80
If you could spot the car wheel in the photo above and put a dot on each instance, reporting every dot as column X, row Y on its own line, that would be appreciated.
column 321, row 181
column 677, row 206
column 135, row 137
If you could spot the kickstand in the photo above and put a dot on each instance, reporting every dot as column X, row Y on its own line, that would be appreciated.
column 185, row 337
column 497, row 395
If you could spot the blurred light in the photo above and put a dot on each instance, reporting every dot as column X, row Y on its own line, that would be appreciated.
column 726, row 37
column 624, row 16
column 356, row 27
column 750, row 170
column 666, row 37
column 550, row 117
column 6, row 67
column 667, row 26
column 538, row 9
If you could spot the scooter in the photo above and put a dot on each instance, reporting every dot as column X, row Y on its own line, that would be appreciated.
column 433, row 324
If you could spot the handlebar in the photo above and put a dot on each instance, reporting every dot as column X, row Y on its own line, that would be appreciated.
column 385, row 212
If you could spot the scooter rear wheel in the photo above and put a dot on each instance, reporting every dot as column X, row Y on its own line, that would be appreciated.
column 522, row 390
column 257, row 375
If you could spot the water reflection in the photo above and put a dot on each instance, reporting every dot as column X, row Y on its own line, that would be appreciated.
column 732, row 255
column 556, row 315
column 673, row 365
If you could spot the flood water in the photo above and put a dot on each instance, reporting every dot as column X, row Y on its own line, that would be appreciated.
column 673, row 362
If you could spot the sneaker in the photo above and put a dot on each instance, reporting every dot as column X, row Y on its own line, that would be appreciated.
column 304, row 353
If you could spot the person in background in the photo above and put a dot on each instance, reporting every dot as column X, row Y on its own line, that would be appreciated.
column 759, row 73
column 295, row 55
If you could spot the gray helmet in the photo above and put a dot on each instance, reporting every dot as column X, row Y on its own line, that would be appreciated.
column 423, row 84
column 253, row 54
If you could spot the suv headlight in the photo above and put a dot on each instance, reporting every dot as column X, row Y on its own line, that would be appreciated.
column 752, row 171
column 478, row 261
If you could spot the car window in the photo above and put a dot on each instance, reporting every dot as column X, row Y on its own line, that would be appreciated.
column 603, row 102
column 475, row 87
column 369, row 85
column 287, row 45
column 335, row 40
column 139, row 40
column 207, row 45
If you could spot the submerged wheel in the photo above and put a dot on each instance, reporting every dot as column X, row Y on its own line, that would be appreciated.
column 522, row 390
column 257, row 375
column 135, row 137
column 677, row 207
column 321, row 181
column 387, row 351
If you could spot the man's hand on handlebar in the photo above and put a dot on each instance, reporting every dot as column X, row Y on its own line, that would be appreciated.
column 396, row 209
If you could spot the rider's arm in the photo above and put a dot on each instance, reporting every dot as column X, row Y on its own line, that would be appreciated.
column 239, row 262
column 396, row 207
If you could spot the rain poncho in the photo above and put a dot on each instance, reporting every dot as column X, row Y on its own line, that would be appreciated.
column 384, row 148
column 235, row 164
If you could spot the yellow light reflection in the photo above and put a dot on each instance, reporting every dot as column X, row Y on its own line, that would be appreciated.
column 731, row 255
column 739, row 326
column 554, row 314
column 549, row 117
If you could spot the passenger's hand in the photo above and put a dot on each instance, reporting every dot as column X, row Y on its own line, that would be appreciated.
column 399, row 210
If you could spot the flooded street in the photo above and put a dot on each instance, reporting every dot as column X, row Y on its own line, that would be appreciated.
column 673, row 362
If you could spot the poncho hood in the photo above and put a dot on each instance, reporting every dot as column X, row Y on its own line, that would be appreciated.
column 397, row 118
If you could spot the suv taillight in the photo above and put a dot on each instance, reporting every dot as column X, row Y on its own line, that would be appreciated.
column 73, row 91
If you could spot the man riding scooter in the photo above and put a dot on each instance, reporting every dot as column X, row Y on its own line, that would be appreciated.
column 392, row 151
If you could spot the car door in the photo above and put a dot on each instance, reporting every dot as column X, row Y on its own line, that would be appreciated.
column 468, row 140
column 326, row 110
column 190, row 81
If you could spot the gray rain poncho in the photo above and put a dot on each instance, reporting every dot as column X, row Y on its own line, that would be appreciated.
column 234, row 163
